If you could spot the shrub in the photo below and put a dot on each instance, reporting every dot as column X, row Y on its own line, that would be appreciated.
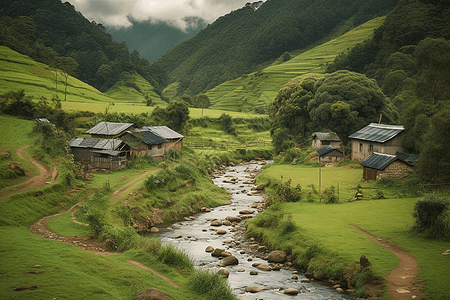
column 431, row 216
column 175, row 258
column 161, row 179
column 285, row 193
column 120, row 238
column 211, row 285
column 288, row 226
column 330, row 195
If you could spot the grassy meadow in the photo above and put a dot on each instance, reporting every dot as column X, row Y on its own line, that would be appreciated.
column 257, row 90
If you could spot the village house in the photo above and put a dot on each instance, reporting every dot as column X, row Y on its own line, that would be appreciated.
column 174, row 139
column 329, row 154
column 380, row 138
column 100, row 153
column 109, row 130
column 379, row 165
column 322, row 139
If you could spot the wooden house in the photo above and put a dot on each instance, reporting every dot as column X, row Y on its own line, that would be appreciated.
column 109, row 130
column 322, row 139
column 100, row 153
column 144, row 142
column 380, row 138
column 329, row 154
column 379, row 165
column 174, row 139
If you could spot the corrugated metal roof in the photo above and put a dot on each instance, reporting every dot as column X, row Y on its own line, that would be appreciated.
column 327, row 136
column 109, row 152
column 94, row 143
column 164, row 132
column 379, row 161
column 379, row 133
column 325, row 150
column 148, row 137
column 408, row 157
column 109, row 128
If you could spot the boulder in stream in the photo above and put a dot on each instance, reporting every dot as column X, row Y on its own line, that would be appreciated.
column 291, row 291
column 277, row 256
column 254, row 289
column 229, row 261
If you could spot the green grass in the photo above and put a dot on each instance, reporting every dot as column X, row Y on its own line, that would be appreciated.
column 64, row 225
column 257, row 90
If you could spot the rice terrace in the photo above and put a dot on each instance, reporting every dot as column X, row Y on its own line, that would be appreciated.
column 279, row 149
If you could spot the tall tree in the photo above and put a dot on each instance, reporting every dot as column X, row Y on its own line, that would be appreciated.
column 67, row 67
column 202, row 101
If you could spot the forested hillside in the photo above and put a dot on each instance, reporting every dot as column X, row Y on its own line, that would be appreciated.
column 241, row 41
column 48, row 29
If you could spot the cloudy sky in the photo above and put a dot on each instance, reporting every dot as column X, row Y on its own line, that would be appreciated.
column 173, row 12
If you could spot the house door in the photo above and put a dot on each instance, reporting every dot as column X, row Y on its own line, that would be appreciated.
column 369, row 174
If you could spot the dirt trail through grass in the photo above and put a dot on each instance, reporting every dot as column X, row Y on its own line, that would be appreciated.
column 34, row 182
column 402, row 281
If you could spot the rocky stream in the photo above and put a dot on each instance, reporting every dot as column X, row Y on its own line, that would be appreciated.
column 215, row 240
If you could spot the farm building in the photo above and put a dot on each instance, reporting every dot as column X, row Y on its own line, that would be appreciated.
column 329, row 154
column 174, row 139
column 153, row 140
column 380, row 138
column 109, row 130
column 143, row 142
column 322, row 139
column 379, row 165
column 100, row 153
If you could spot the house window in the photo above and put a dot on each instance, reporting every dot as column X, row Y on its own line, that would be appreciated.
column 159, row 146
column 360, row 147
column 370, row 148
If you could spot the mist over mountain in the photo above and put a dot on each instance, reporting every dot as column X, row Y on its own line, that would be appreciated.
column 153, row 40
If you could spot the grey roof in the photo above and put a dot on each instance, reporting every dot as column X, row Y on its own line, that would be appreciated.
column 109, row 152
column 148, row 137
column 380, row 161
column 408, row 157
column 327, row 136
column 94, row 143
column 379, row 133
column 164, row 132
column 325, row 150
column 109, row 128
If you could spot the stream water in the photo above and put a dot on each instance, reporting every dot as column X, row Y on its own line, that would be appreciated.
column 195, row 235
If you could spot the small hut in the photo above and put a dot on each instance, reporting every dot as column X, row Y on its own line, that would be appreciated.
column 322, row 139
column 379, row 165
column 329, row 154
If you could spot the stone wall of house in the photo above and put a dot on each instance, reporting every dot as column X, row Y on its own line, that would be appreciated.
column 333, row 156
column 397, row 170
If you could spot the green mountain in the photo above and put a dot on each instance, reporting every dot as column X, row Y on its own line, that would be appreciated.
column 244, row 40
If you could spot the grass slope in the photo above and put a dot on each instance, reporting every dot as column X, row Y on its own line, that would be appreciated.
column 19, row 72
column 257, row 90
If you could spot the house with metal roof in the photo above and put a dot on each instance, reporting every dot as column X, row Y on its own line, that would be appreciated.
column 145, row 142
column 379, row 165
column 322, row 139
column 380, row 138
column 109, row 130
column 174, row 139
column 99, row 153
column 329, row 154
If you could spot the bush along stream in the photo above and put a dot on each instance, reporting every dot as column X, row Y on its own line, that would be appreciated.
column 215, row 241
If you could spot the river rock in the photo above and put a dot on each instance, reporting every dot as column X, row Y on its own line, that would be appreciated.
column 263, row 267
column 177, row 236
column 209, row 249
column 152, row 294
column 223, row 272
column 350, row 291
column 253, row 273
column 226, row 223
column 216, row 223
column 154, row 230
column 246, row 212
column 339, row 290
column 233, row 219
column 364, row 262
column 217, row 252
column 262, row 248
column 277, row 256
column 229, row 261
column 291, row 291
column 221, row 231
column 254, row 289
column 305, row 280
column 225, row 254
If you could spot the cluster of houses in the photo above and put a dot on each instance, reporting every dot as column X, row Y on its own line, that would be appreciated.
column 111, row 144
column 377, row 146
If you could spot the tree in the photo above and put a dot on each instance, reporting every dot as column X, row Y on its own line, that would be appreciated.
column 202, row 101
column 346, row 101
column 175, row 116
column 67, row 67
column 433, row 59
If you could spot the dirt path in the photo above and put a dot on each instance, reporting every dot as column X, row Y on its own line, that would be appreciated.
column 402, row 281
column 138, row 264
column 34, row 182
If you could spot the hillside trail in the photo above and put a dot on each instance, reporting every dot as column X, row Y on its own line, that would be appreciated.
column 402, row 281
column 34, row 182
column 88, row 243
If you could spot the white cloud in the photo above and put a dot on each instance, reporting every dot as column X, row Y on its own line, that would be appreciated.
column 173, row 12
